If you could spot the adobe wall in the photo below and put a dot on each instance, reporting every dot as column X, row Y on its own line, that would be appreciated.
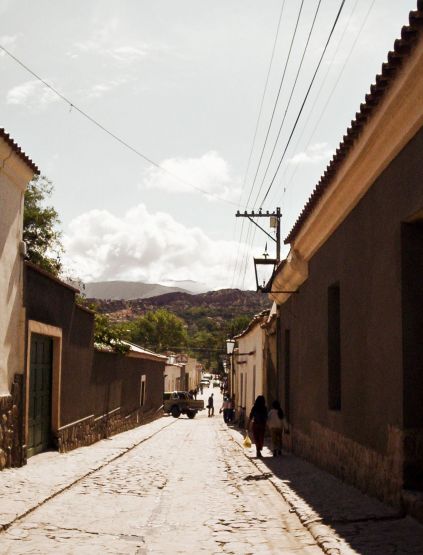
column 364, row 441
column 99, row 391
column 115, row 389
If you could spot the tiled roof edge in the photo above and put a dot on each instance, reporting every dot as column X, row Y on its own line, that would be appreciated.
column 257, row 318
column 402, row 48
column 17, row 149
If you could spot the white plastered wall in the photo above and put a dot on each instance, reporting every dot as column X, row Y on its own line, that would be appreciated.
column 14, row 177
column 251, row 366
column 172, row 373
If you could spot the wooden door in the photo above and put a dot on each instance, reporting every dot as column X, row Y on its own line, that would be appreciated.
column 40, row 383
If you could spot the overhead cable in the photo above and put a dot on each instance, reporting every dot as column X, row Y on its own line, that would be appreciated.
column 262, row 101
column 329, row 97
column 277, row 96
column 110, row 133
column 289, row 100
column 304, row 101
column 254, row 138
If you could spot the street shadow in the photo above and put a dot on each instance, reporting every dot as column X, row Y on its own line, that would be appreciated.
column 369, row 526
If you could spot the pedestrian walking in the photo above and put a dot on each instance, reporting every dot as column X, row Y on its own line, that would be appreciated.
column 276, row 425
column 258, row 417
column 225, row 409
column 195, row 393
column 210, row 405
column 231, row 417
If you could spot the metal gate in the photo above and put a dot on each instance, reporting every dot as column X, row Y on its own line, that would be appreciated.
column 40, row 384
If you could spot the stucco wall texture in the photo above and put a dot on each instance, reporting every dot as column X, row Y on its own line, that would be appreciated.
column 14, row 176
column 93, row 383
column 363, row 256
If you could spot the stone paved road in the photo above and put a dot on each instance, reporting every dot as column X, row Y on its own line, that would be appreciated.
column 182, row 486
column 188, row 489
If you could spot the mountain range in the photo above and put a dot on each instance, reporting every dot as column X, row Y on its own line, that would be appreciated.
column 222, row 304
column 127, row 290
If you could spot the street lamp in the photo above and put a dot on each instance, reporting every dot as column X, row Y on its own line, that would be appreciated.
column 230, row 344
column 265, row 270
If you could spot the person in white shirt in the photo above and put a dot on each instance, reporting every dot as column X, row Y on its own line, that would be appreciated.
column 276, row 425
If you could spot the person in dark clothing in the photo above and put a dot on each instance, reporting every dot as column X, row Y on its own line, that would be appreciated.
column 276, row 425
column 210, row 405
column 258, row 416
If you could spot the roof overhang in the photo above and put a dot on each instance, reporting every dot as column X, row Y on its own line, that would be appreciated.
column 394, row 122
column 288, row 277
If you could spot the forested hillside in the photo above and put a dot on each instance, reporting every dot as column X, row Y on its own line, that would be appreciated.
column 206, row 320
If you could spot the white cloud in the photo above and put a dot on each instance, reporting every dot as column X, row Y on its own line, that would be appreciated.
column 314, row 153
column 148, row 247
column 128, row 53
column 32, row 94
column 123, row 53
column 106, row 42
column 210, row 173
column 100, row 89
column 8, row 41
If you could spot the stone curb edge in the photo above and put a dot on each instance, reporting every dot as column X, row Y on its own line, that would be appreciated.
column 325, row 537
column 104, row 463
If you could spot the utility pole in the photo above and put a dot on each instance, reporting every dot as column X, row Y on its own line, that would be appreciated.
column 275, row 222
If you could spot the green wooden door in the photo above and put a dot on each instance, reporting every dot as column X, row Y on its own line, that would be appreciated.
column 40, row 379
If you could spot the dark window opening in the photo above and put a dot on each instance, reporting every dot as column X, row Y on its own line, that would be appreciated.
column 334, row 347
column 287, row 380
column 142, row 391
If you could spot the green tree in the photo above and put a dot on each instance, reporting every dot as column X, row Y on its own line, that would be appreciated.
column 105, row 333
column 40, row 233
column 237, row 325
column 159, row 330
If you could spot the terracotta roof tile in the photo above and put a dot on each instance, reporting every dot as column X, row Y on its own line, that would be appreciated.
column 402, row 47
column 6, row 137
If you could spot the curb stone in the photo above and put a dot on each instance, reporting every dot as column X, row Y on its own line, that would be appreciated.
column 325, row 537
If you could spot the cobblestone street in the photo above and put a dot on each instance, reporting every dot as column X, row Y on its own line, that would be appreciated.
column 188, row 489
column 187, row 486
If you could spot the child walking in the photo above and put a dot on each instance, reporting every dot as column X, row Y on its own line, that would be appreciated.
column 276, row 424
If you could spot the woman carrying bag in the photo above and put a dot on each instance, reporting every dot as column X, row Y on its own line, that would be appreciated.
column 276, row 424
column 258, row 416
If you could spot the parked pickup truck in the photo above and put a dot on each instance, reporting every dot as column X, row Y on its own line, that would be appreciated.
column 179, row 402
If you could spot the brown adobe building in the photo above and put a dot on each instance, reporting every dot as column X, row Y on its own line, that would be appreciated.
column 76, row 393
column 350, row 345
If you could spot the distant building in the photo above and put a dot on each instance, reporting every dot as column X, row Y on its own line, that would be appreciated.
column 249, row 379
column 351, row 349
column 192, row 374
column 174, row 374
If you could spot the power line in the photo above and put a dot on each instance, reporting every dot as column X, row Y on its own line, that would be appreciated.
column 277, row 96
column 304, row 101
column 262, row 100
column 289, row 100
column 73, row 106
column 244, row 258
column 322, row 112
column 237, row 257
column 311, row 111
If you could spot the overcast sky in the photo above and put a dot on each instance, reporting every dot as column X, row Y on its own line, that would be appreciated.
column 182, row 82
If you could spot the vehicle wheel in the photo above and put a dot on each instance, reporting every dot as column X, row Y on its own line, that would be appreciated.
column 191, row 413
column 175, row 412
